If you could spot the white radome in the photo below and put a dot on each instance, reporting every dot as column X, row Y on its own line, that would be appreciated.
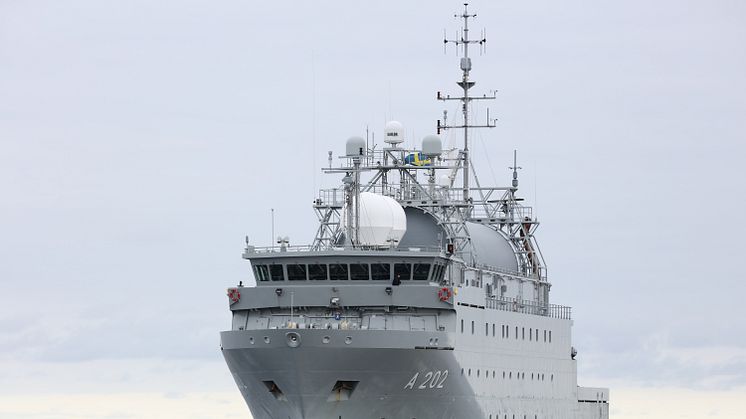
column 393, row 133
column 382, row 220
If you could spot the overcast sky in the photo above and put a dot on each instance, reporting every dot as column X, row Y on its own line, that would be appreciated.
column 141, row 140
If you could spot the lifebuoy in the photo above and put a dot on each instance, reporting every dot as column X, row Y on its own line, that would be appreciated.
column 444, row 294
column 234, row 295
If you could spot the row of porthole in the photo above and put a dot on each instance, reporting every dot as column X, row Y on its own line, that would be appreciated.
column 509, row 375
column 506, row 416
column 325, row 340
column 505, row 333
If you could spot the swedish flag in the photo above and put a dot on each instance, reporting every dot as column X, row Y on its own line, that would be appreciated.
column 417, row 159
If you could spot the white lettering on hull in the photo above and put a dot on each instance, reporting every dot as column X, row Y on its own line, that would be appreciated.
column 433, row 380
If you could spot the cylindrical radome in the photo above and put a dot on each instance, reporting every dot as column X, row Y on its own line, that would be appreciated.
column 432, row 146
column 355, row 147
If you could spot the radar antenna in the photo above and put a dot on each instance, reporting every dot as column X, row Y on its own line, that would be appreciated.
column 465, row 99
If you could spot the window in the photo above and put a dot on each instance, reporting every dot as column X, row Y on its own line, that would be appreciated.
column 421, row 271
column 493, row 329
column 523, row 333
column 438, row 273
column 402, row 271
column 545, row 336
column 338, row 272
column 530, row 334
column 516, row 332
column 359, row 272
column 436, row 268
column 550, row 336
column 317, row 272
column 472, row 327
column 276, row 273
column 261, row 273
column 297, row 272
column 462, row 325
column 486, row 329
column 380, row 271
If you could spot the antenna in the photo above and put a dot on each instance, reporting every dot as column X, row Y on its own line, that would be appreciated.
column 272, row 240
column 463, row 41
column 515, row 169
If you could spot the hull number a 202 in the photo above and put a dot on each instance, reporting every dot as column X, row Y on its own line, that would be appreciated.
column 430, row 379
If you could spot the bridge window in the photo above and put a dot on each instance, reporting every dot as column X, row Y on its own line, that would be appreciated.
column 338, row 272
column 403, row 271
column 486, row 329
column 261, row 273
column 550, row 336
column 317, row 272
column 297, row 272
column 439, row 272
column 462, row 325
column 359, row 272
column 276, row 272
column 421, row 271
column 380, row 271
column 545, row 336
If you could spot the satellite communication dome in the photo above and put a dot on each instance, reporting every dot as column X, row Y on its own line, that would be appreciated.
column 382, row 220
column 432, row 146
column 355, row 147
column 393, row 133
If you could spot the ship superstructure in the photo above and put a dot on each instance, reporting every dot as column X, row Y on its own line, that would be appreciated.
column 424, row 295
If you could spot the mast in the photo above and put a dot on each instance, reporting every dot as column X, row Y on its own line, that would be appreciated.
column 465, row 99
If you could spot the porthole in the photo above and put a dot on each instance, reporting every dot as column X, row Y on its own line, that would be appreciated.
column 326, row 339
column 348, row 340
column 251, row 340
column 266, row 339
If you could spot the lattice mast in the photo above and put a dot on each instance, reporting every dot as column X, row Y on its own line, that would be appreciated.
column 465, row 99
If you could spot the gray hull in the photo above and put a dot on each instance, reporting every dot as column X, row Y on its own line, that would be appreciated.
column 307, row 374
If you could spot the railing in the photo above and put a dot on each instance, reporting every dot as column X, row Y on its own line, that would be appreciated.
column 309, row 248
column 529, row 307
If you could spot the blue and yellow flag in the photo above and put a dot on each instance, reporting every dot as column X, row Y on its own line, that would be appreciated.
column 417, row 159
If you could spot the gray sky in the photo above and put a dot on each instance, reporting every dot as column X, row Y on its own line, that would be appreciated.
column 141, row 140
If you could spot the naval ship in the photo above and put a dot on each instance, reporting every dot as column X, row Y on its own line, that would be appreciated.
column 424, row 294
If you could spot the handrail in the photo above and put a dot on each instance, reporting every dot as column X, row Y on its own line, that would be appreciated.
column 529, row 307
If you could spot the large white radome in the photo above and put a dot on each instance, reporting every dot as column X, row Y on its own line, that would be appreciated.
column 382, row 220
